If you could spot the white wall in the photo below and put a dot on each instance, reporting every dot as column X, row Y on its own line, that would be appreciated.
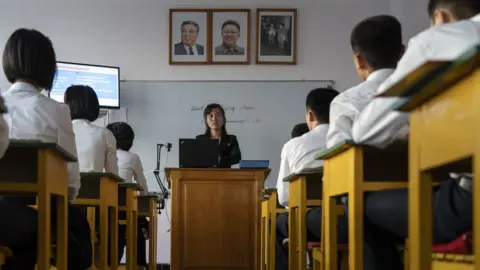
column 133, row 34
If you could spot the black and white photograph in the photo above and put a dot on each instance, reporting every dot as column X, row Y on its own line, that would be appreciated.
column 276, row 36
column 189, row 32
column 231, row 36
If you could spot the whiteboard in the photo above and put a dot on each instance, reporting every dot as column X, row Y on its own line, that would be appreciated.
column 260, row 114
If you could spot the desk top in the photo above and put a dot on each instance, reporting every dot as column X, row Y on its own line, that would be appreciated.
column 169, row 170
column 150, row 195
column 90, row 175
column 304, row 172
column 398, row 146
column 130, row 185
column 37, row 144
column 457, row 70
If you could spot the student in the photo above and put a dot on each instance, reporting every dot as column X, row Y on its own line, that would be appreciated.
column 377, row 46
column 299, row 129
column 130, row 168
column 457, row 28
column 297, row 154
column 96, row 146
column 4, row 140
column 29, row 63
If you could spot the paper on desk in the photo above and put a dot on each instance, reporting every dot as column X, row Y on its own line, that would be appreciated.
column 119, row 115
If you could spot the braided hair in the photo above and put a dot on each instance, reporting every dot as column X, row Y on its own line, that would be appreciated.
column 123, row 133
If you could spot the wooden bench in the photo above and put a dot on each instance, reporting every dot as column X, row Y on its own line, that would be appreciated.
column 437, row 148
column 148, row 207
column 352, row 170
column 100, row 191
column 128, row 216
column 36, row 169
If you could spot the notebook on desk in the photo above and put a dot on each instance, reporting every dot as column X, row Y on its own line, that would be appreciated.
column 198, row 153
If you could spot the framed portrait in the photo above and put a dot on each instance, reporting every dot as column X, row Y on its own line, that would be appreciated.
column 276, row 41
column 230, row 36
column 189, row 36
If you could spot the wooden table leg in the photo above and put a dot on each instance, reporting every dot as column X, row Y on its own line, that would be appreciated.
column 44, row 229
column 62, row 232
column 113, row 224
column 331, row 246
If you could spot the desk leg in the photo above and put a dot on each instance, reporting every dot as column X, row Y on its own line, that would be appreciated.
column 103, row 247
column 44, row 228
column 302, row 235
column 62, row 232
column 355, row 229
column 331, row 248
column 272, row 239
column 476, row 210
column 113, row 224
column 263, row 242
column 135, row 238
column 93, row 235
column 152, row 248
column 292, row 238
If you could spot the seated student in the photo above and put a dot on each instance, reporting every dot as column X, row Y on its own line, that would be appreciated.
column 299, row 129
column 96, row 146
column 457, row 28
column 297, row 154
column 377, row 47
column 130, row 168
column 29, row 63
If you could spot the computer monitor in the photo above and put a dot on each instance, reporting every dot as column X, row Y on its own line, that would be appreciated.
column 103, row 79
column 198, row 153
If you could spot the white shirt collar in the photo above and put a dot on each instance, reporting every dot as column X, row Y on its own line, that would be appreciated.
column 319, row 128
column 75, row 121
column 380, row 74
column 24, row 87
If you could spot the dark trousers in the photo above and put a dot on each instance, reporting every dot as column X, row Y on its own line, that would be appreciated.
column 18, row 231
column 313, row 221
column 141, row 241
column 386, row 222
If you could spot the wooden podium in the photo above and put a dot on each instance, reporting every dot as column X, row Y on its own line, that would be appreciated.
column 216, row 218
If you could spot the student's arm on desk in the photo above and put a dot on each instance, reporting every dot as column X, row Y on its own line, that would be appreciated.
column 111, row 161
column 66, row 139
column 378, row 124
column 282, row 187
column 341, row 122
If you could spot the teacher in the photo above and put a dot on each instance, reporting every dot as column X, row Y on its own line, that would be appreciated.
column 229, row 150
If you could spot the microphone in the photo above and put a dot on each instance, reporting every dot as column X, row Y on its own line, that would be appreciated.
column 169, row 147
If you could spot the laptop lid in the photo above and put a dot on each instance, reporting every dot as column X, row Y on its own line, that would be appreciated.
column 198, row 153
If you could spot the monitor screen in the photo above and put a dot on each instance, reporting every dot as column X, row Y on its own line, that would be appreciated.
column 104, row 80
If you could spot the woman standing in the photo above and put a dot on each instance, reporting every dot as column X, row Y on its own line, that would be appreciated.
column 229, row 150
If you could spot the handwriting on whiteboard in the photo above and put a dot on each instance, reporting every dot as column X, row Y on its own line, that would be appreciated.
column 228, row 108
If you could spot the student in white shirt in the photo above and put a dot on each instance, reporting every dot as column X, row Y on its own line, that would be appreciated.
column 377, row 46
column 456, row 29
column 4, row 140
column 298, row 154
column 29, row 63
column 131, row 169
column 96, row 146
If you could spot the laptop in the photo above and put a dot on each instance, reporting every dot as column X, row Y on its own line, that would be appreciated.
column 198, row 153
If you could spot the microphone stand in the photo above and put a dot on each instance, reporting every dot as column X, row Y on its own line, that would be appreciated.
column 156, row 172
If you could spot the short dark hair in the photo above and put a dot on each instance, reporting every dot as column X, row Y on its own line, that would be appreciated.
column 192, row 23
column 378, row 40
column 460, row 9
column 29, row 55
column 83, row 102
column 231, row 22
column 318, row 101
column 210, row 107
column 123, row 133
column 299, row 129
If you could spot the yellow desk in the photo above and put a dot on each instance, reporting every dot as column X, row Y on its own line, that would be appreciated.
column 351, row 170
column 33, row 168
column 148, row 207
column 127, row 203
column 305, row 190
column 444, row 132
column 101, row 190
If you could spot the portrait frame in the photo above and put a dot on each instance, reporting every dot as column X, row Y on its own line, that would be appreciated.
column 180, row 52
column 276, row 40
column 220, row 52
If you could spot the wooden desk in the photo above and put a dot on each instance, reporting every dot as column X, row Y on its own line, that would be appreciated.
column 351, row 169
column 216, row 218
column 101, row 190
column 437, row 148
column 305, row 190
column 270, row 209
column 148, row 207
column 127, row 203
column 33, row 168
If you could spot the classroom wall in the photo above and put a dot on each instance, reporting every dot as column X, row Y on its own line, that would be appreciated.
column 133, row 34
